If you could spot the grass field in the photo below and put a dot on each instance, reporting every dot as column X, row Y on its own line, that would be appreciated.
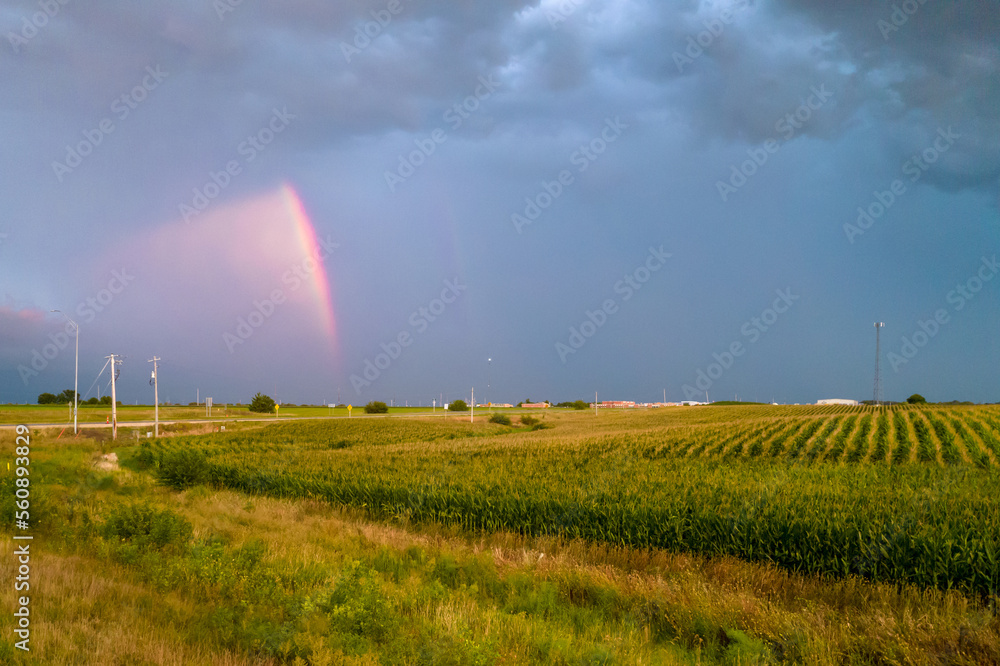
column 730, row 535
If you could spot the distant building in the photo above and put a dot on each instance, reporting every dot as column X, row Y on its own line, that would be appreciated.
column 837, row 401
column 615, row 404
column 535, row 405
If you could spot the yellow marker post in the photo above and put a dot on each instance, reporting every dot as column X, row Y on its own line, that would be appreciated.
column 276, row 408
column 349, row 408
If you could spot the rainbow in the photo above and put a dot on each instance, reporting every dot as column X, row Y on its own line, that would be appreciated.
column 320, row 283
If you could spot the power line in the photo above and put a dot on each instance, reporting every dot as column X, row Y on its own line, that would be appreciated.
column 96, row 379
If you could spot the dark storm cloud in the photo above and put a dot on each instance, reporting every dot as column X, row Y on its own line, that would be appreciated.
column 699, row 84
column 921, row 65
column 748, row 71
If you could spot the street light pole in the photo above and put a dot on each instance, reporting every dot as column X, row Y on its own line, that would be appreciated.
column 76, row 371
column 156, row 396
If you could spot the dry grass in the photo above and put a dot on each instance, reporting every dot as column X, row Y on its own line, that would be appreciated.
column 88, row 612
column 830, row 618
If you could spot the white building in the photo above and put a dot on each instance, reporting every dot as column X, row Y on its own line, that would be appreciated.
column 837, row 401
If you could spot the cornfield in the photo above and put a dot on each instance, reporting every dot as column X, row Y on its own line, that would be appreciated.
column 896, row 495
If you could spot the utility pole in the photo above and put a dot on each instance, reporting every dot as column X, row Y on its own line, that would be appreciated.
column 155, row 381
column 115, row 362
column 472, row 407
column 595, row 403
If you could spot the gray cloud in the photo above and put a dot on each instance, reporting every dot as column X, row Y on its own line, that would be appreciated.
column 890, row 94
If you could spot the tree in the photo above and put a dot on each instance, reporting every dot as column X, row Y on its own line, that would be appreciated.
column 376, row 407
column 458, row 406
column 66, row 396
column 262, row 404
column 46, row 399
column 916, row 399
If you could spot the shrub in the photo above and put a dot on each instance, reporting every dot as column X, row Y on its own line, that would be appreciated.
column 376, row 407
column 576, row 404
column 145, row 458
column 262, row 404
column 529, row 420
column 182, row 469
column 458, row 406
column 502, row 419
column 146, row 527
column 358, row 606
column 916, row 399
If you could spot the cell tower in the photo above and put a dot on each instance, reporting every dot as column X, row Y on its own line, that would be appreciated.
column 877, row 397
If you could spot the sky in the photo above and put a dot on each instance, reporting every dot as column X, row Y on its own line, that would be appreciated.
column 408, row 200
